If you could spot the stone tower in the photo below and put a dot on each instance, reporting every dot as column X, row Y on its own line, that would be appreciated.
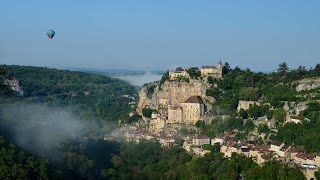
column 220, row 65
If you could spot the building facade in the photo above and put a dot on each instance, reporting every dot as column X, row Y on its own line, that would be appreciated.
column 188, row 112
column 215, row 72
column 178, row 73
column 206, row 71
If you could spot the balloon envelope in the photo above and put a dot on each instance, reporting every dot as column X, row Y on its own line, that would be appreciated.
column 51, row 33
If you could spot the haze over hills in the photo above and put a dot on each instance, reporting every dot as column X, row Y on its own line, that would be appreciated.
column 134, row 77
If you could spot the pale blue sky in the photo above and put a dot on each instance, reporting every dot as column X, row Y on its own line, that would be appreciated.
column 160, row 34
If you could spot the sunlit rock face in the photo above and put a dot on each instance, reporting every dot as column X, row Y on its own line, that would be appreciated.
column 308, row 84
column 14, row 85
column 170, row 93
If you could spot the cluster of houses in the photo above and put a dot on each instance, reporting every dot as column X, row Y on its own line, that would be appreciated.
column 228, row 144
column 261, row 153
column 198, row 144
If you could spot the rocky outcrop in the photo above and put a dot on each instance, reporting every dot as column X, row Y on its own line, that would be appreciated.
column 294, row 108
column 246, row 104
column 170, row 93
column 307, row 84
column 14, row 85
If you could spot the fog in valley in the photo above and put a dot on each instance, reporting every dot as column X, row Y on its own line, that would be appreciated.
column 39, row 128
column 139, row 79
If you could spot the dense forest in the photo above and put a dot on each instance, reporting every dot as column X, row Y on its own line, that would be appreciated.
column 94, row 95
column 55, row 127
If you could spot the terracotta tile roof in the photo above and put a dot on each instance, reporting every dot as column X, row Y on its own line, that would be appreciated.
column 295, row 117
column 251, row 142
column 297, row 149
column 208, row 67
column 262, row 147
column 305, row 156
column 285, row 147
column 194, row 99
column 276, row 143
column 201, row 136
column 176, row 107
column 229, row 138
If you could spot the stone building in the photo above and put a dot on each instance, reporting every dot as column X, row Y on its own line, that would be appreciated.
column 179, row 72
column 188, row 112
column 200, row 139
column 156, row 125
column 215, row 72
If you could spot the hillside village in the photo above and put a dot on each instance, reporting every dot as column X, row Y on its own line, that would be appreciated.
column 180, row 110
column 207, row 112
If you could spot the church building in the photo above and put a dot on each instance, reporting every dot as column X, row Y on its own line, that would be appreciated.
column 188, row 112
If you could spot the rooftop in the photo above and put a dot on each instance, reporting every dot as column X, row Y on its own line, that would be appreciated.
column 201, row 136
column 194, row 99
column 285, row 147
column 208, row 67
column 305, row 156
column 276, row 143
column 297, row 149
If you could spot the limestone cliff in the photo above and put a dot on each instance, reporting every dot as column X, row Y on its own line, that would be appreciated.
column 13, row 84
column 170, row 92
column 307, row 84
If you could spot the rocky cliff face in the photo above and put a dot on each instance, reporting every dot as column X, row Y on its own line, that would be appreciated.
column 14, row 85
column 307, row 84
column 170, row 93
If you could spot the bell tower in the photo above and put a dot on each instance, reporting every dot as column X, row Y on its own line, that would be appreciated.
column 220, row 65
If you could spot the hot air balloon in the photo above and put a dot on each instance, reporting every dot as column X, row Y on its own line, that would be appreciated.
column 51, row 33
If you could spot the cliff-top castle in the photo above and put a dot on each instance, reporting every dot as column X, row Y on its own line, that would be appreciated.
column 180, row 102
column 215, row 72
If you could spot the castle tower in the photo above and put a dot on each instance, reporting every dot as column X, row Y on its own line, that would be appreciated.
column 220, row 65
column 220, row 69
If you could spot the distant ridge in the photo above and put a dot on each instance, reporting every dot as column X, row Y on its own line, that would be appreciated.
column 116, row 71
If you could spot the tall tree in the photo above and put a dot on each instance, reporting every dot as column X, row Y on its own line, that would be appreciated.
column 226, row 68
column 317, row 69
column 3, row 71
column 283, row 69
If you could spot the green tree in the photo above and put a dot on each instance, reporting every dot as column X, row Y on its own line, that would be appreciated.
column 279, row 114
column 199, row 124
column 213, row 92
column 317, row 174
column 249, row 93
column 3, row 72
column 226, row 68
column 179, row 141
column 243, row 114
column 146, row 112
column 164, row 78
column 283, row 69
column 150, row 90
column 256, row 111
column 134, row 118
column 194, row 73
